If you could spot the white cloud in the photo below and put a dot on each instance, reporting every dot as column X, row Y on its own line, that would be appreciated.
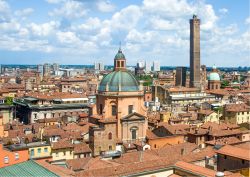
column 105, row 6
column 54, row 1
column 70, row 9
column 24, row 12
column 9, row 27
column 44, row 29
column 170, row 8
column 155, row 29
column 4, row 11
column 15, row 44
column 162, row 24
column 223, row 11
column 67, row 37
column 247, row 21
column 126, row 19
column 90, row 24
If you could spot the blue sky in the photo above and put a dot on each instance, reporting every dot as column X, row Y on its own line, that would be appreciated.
column 84, row 31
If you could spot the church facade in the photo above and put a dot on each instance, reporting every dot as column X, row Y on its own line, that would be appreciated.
column 121, row 114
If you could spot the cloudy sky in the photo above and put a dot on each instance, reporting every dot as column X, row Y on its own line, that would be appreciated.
column 84, row 31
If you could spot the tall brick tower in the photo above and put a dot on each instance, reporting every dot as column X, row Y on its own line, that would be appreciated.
column 195, row 52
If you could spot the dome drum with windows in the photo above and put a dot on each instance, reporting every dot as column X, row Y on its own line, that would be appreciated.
column 120, row 80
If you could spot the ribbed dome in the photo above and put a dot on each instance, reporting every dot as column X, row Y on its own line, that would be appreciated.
column 119, row 81
column 119, row 55
column 214, row 76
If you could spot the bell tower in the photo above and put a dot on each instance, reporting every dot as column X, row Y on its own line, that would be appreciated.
column 120, row 61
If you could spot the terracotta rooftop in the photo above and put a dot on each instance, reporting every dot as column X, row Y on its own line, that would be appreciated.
column 200, row 155
column 235, row 152
column 180, row 129
column 243, row 145
column 81, row 148
column 151, row 135
column 224, row 141
column 176, row 150
column 134, row 162
column 62, row 144
column 219, row 133
column 54, row 95
column 136, row 156
column 60, row 171
column 89, row 163
column 182, row 89
column 199, row 170
column 205, row 112
column 220, row 126
column 237, row 107
column 53, row 132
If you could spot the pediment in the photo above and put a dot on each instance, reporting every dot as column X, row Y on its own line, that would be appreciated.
column 133, row 116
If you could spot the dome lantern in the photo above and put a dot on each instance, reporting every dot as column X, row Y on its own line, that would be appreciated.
column 119, row 61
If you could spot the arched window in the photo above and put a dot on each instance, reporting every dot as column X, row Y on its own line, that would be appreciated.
column 110, row 136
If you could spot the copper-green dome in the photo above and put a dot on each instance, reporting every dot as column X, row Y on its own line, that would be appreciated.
column 119, row 55
column 214, row 76
column 119, row 81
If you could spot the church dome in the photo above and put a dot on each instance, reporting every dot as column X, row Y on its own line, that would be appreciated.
column 214, row 76
column 116, row 81
column 119, row 55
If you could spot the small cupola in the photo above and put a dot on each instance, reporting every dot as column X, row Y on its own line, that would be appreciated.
column 119, row 61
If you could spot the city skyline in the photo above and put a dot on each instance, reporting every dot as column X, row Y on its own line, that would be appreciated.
column 62, row 30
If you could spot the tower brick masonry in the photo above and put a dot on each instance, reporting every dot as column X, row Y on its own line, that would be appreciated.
column 195, row 52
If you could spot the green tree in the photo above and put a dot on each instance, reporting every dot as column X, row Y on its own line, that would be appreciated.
column 224, row 84
column 9, row 100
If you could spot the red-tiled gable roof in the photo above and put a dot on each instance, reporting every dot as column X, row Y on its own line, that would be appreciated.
column 89, row 163
column 235, row 152
column 199, row 170
column 243, row 145
column 177, row 150
column 186, row 114
column 224, row 141
column 198, row 131
column 77, row 164
column 205, row 112
column 218, row 133
column 200, row 155
column 130, row 168
column 62, row 144
column 136, row 156
column 81, row 148
column 75, row 135
column 60, row 171
column 220, row 126
column 182, row 89
column 175, row 129
column 237, row 107
column 220, row 92
column 55, row 95
column 53, row 132
column 47, row 120
column 12, row 86
column 136, row 162
column 83, row 115
column 73, row 127
column 151, row 135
